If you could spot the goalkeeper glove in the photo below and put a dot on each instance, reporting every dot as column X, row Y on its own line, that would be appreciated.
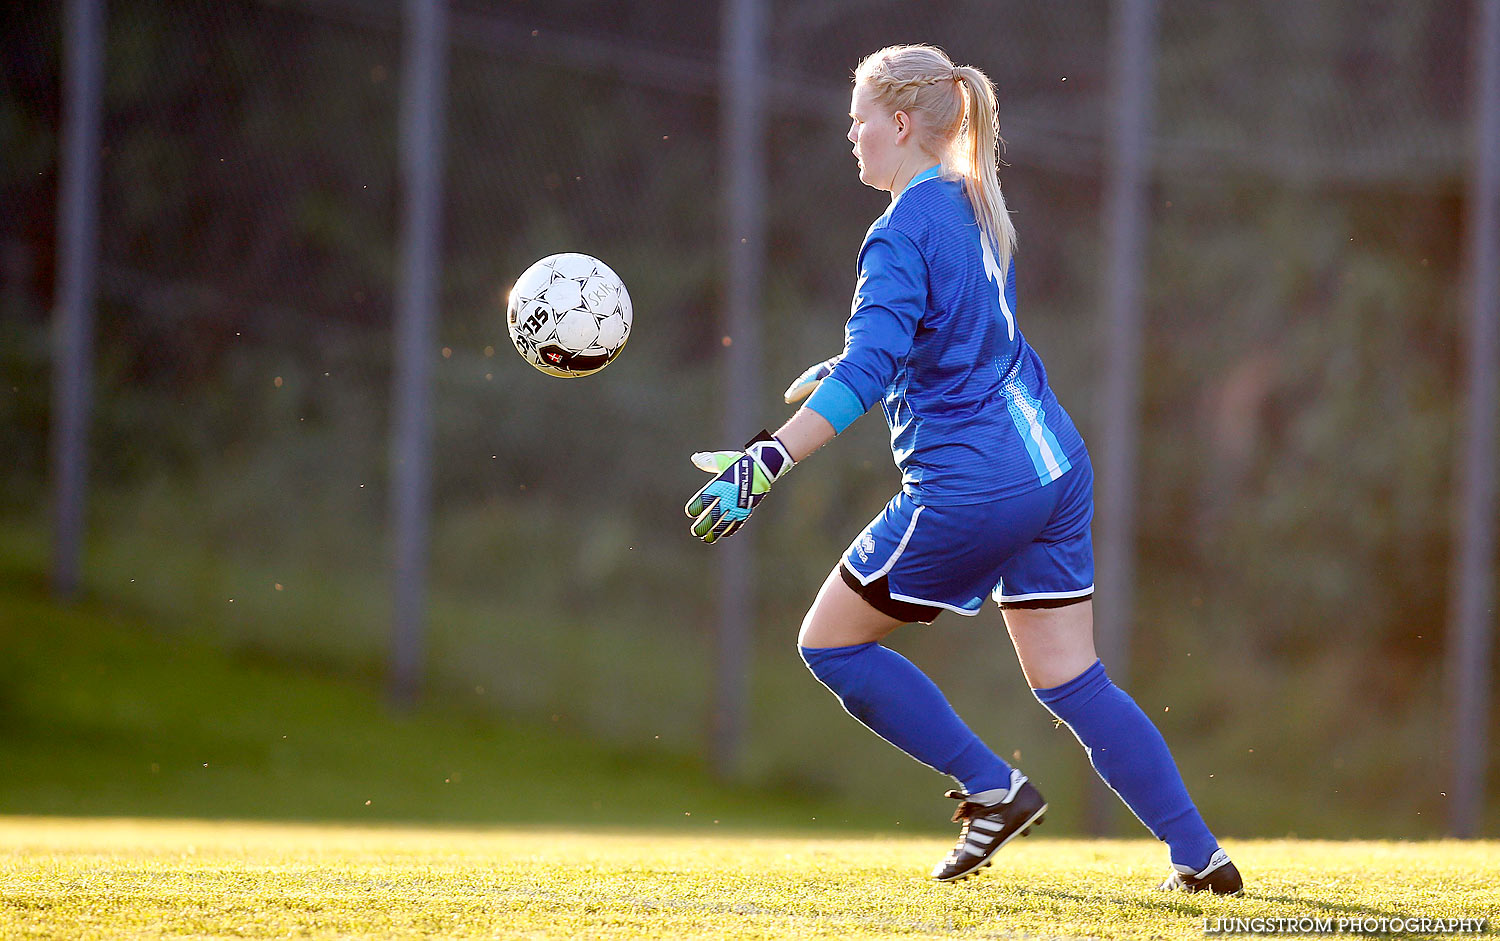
column 804, row 384
column 742, row 479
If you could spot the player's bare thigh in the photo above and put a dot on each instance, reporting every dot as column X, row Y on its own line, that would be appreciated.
column 1053, row 644
column 841, row 618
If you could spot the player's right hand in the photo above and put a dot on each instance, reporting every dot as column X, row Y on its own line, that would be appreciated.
column 804, row 384
column 741, row 480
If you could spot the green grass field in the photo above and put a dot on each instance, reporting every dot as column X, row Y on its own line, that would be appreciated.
column 81, row 878
column 120, row 736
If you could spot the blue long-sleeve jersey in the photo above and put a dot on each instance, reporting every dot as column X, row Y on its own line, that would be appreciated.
column 933, row 336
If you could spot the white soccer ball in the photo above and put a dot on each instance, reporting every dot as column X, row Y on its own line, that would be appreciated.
column 569, row 315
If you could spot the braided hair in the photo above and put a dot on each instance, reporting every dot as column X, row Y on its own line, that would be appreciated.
column 954, row 110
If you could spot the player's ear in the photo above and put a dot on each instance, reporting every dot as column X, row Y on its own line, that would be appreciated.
column 903, row 125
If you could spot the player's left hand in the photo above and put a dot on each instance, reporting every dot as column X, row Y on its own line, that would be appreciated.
column 804, row 384
column 741, row 480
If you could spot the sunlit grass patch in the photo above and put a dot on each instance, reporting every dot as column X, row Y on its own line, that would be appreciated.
column 137, row 879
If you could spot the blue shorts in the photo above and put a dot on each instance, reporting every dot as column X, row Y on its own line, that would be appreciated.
column 1035, row 547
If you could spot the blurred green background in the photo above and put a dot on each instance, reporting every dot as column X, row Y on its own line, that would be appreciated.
column 1304, row 315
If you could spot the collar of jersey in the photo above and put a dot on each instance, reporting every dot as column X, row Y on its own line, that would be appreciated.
column 931, row 173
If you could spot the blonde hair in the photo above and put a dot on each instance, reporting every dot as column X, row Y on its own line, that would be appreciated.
column 955, row 121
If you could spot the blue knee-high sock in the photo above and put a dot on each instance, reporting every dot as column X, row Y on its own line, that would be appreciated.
column 1129, row 753
column 897, row 701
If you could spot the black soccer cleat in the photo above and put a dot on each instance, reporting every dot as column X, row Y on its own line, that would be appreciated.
column 1219, row 877
column 990, row 820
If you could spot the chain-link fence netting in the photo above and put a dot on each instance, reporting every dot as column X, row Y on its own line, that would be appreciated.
column 1304, row 308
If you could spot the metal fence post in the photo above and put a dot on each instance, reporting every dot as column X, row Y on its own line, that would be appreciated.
column 1472, row 610
column 1128, row 163
column 422, row 118
column 742, row 146
column 73, row 320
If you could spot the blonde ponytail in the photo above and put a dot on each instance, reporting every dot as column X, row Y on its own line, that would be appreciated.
column 957, row 124
column 980, row 146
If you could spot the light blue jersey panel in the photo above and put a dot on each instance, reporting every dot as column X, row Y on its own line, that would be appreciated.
column 933, row 336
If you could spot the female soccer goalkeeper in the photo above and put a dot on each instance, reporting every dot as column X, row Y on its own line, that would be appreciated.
column 997, row 490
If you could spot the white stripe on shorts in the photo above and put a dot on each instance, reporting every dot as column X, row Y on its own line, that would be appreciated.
column 1044, row 595
column 966, row 612
column 900, row 548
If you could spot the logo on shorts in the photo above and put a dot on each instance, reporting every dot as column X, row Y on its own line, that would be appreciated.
column 864, row 545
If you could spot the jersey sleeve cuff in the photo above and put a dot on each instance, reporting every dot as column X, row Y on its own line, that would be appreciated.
column 837, row 403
